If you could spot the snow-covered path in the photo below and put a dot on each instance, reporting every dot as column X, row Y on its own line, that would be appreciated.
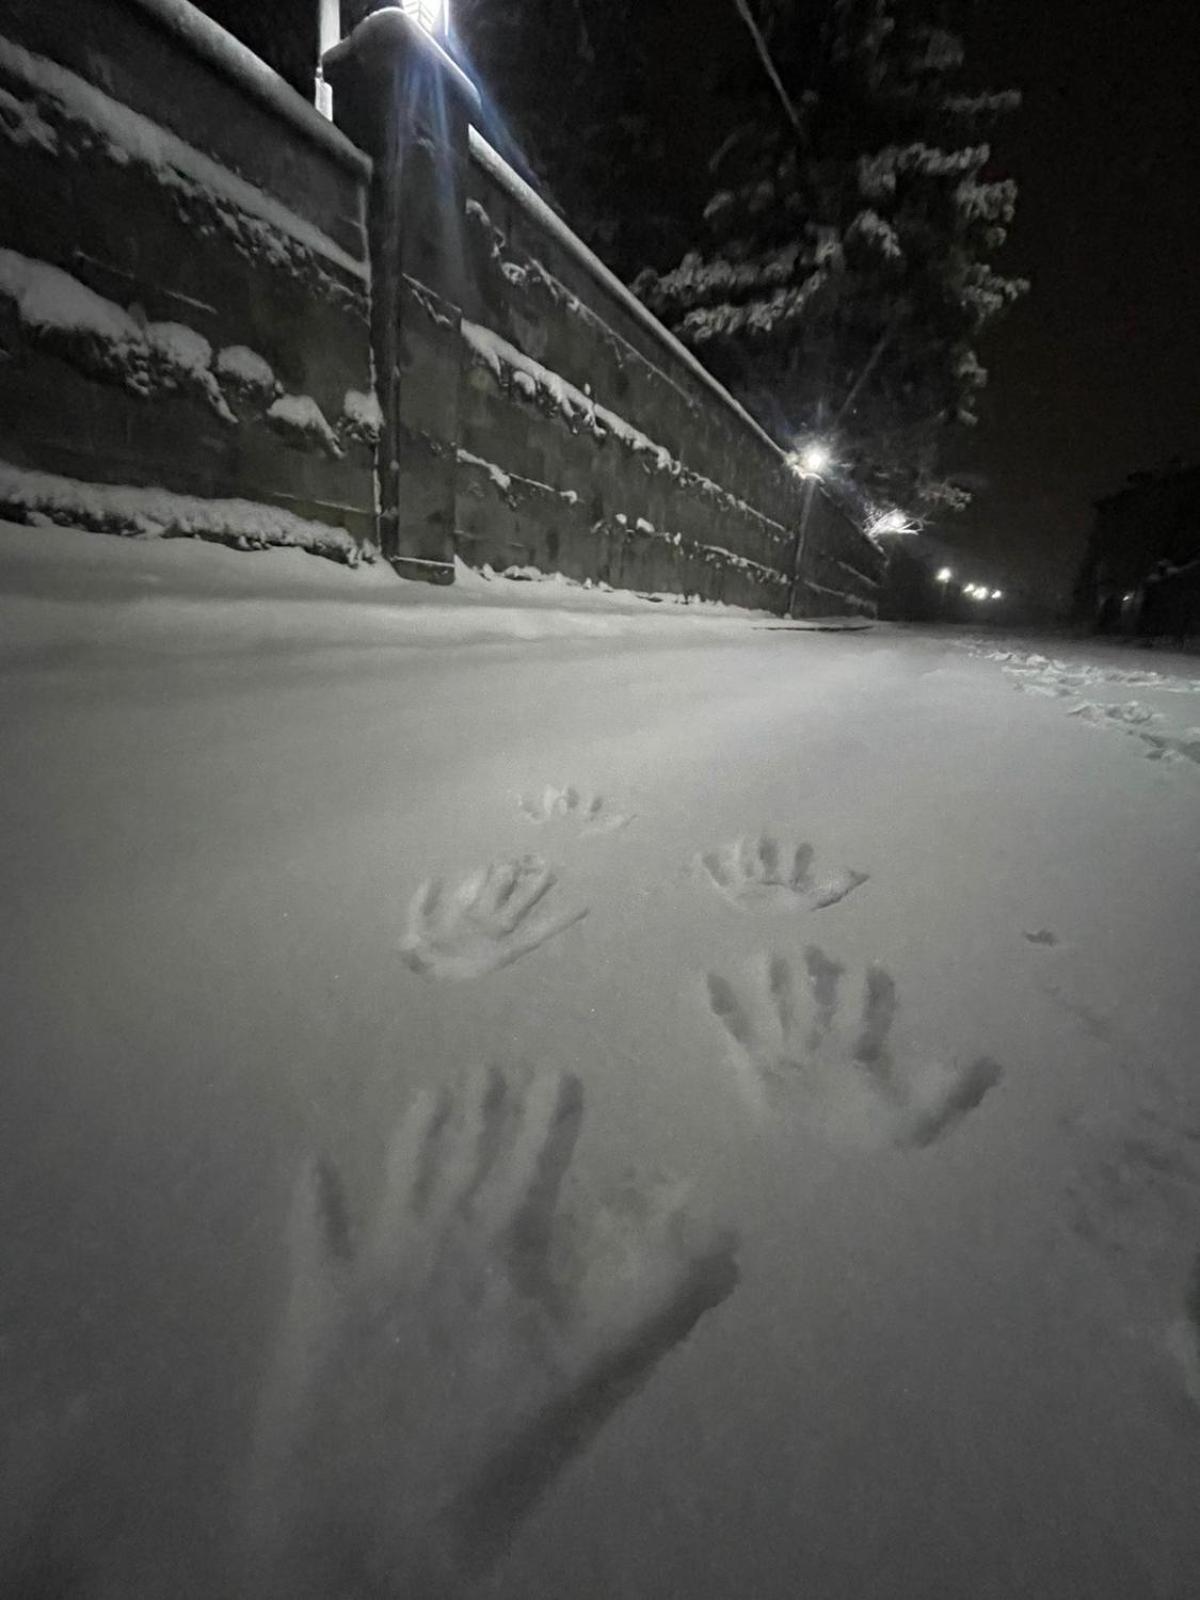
column 956, row 1361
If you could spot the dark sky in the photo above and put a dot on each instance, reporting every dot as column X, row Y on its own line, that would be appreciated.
column 1097, row 373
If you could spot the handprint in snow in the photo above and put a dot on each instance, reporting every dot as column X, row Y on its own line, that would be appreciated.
column 491, row 919
column 435, row 1373
column 784, row 1033
column 592, row 812
column 755, row 874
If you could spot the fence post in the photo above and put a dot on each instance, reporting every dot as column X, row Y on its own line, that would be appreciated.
column 399, row 97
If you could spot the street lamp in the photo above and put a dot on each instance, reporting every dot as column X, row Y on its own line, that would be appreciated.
column 814, row 458
column 997, row 594
column 944, row 575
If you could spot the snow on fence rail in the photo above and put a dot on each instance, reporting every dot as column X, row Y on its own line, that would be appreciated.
column 568, row 377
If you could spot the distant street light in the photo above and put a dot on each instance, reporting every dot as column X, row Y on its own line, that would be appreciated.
column 997, row 594
column 944, row 575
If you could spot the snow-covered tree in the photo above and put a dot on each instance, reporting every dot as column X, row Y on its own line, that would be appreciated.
column 846, row 273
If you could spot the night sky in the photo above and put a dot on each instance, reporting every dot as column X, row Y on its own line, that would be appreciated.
column 1097, row 373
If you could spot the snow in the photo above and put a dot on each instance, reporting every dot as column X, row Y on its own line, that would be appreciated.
column 47, row 298
column 294, row 850
column 502, row 480
column 538, row 382
column 515, row 186
column 244, row 366
column 252, row 74
column 301, row 416
column 147, row 357
column 363, row 415
column 247, row 210
column 44, row 498
column 21, row 124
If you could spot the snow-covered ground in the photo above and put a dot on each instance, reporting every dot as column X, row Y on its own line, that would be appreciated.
column 544, row 1093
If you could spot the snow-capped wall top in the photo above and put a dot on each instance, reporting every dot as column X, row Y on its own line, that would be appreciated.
column 172, row 160
column 496, row 166
column 232, row 58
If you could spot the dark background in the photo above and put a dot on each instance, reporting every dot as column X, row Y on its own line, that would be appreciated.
column 1097, row 373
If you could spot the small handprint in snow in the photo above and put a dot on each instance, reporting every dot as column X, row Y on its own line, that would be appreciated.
column 437, row 1370
column 755, row 874
column 491, row 919
column 591, row 812
column 784, row 1033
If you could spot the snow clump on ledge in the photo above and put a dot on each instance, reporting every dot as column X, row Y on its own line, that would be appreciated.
column 362, row 416
column 245, row 369
column 46, row 499
column 59, row 312
column 300, row 419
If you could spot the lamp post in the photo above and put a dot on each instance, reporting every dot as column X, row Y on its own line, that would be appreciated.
column 943, row 576
column 810, row 462
column 329, row 33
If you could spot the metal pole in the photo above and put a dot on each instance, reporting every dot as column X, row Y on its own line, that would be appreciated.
column 329, row 33
column 810, row 489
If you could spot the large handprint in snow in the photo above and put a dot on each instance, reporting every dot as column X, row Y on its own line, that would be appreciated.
column 785, row 1035
column 435, row 1370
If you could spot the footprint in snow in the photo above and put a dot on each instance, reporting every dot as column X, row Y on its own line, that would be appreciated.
column 493, row 918
column 592, row 812
column 784, row 1033
column 756, row 875
column 441, row 1361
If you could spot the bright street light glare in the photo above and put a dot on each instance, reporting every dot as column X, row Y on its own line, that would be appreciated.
column 997, row 594
column 944, row 575
column 430, row 14
column 814, row 457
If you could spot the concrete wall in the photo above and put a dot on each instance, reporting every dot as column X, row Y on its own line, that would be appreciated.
column 184, row 286
column 199, row 277
column 591, row 443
